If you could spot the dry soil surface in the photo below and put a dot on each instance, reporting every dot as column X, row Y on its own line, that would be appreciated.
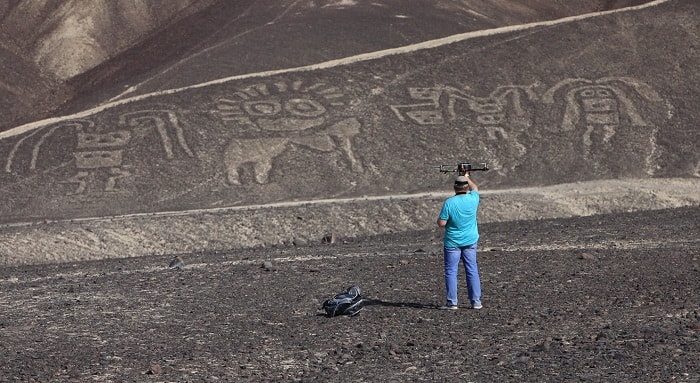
column 600, row 298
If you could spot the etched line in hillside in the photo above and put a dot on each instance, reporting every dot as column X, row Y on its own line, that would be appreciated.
column 165, row 123
column 262, row 152
column 216, row 46
column 595, row 111
column 329, row 64
column 681, row 190
column 598, row 110
column 96, row 149
column 37, row 146
column 80, row 178
column 15, row 148
column 487, row 117
column 290, row 114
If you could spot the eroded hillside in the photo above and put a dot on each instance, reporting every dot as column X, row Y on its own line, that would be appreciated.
column 57, row 51
column 576, row 101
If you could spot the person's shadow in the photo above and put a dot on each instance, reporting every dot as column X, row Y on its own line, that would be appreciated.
column 379, row 302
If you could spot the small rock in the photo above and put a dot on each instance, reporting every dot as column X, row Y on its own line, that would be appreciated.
column 330, row 238
column 155, row 369
column 587, row 256
column 514, row 321
column 299, row 242
column 177, row 263
column 545, row 346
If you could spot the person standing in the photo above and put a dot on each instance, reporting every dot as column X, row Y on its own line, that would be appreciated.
column 458, row 218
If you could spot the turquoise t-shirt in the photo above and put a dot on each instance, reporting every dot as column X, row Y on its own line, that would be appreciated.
column 460, row 213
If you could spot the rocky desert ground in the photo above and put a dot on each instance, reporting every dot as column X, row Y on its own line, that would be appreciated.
column 286, row 150
column 604, row 298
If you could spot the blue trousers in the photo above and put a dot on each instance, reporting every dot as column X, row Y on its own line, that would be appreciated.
column 452, row 256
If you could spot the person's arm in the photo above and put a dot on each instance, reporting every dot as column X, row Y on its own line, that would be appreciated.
column 442, row 222
column 471, row 183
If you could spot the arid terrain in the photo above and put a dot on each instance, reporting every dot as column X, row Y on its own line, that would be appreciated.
column 608, row 298
column 286, row 150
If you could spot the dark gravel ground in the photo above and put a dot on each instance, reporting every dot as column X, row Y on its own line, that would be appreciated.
column 605, row 298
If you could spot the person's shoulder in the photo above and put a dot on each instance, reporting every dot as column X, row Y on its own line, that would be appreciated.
column 454, row 199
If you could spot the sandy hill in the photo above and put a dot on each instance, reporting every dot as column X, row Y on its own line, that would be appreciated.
column 59, row 56
column 221, row 141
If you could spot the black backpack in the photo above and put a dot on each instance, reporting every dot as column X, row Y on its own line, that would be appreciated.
column 347, row 303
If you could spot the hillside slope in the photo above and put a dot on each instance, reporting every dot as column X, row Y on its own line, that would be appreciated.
column 62, row 55
column 46, row 43
column 549, row 103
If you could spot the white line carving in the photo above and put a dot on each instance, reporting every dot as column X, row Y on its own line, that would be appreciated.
column 503, row 106
column 283, row 120
column 96, row 149
column 262, row 152
column 599, row 108
column 163, row 121
column 36, row 150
